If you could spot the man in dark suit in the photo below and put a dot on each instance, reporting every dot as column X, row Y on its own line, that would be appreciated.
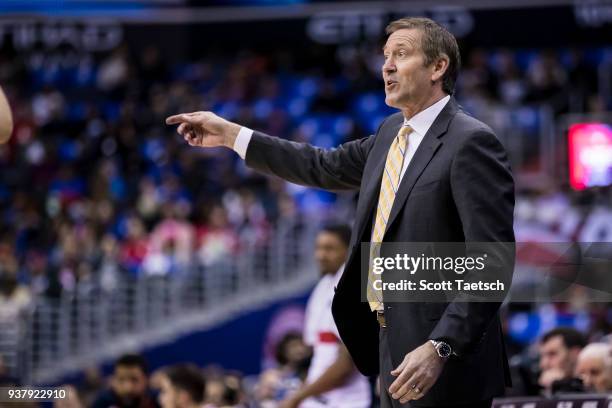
column 431, row 173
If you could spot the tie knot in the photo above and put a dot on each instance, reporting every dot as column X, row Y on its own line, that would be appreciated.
column 404, row 132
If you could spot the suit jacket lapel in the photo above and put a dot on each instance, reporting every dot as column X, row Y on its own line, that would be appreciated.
column 372, row 188
column 423, row 155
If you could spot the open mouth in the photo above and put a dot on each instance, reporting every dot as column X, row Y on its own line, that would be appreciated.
column 390, row 83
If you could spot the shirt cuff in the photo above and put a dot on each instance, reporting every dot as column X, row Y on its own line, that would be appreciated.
column 242, row 141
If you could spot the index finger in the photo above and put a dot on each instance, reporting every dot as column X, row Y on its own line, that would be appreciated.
column 405, row 376
column 180, row 118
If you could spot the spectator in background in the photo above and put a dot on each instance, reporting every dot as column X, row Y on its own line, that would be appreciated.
column 182, row 386
column 173, row 236
column 90, row 387
column 128, row 385
column 559, row 350
column 332, row 377
column 47, row 105
column 163, row 261
column 135, row 246
column 511, row 86
column 479, row 80
column 151, row 66
column 107, row 263
column 114, row 70
column 216, row 240
column 547, row 80
column 293, row 355
column 15, row 298
column 224, row 390
column 594, row 367
column 43, row 279
column 276, row 384
column 265, row 391
column 234, row 393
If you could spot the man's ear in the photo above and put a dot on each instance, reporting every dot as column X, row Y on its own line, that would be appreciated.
column 440, row 65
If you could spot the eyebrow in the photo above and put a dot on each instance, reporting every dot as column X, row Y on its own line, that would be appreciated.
column 401, row 44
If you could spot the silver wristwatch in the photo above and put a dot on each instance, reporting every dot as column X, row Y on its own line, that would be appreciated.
column 443, row 349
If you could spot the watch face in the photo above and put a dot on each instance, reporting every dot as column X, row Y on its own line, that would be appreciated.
column 444, row 350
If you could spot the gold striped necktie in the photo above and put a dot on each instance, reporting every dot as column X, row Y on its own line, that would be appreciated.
column 388, row 189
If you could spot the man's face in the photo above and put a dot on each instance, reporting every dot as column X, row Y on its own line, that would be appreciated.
column 130, row 384
column 407, row 79
column 593, row 373
column 330, row 252
column 555, row 355
column 297, row 351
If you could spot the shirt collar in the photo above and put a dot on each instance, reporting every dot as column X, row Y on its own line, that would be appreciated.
column 422, row 121
column 339, row 272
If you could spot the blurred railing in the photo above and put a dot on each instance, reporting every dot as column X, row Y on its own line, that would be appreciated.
column 92, row 324
column 10, row 346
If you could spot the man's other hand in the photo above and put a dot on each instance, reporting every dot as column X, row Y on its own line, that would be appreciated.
column 416, row 374
column 205, row 129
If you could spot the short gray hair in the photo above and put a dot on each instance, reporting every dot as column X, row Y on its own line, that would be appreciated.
column 600, row 351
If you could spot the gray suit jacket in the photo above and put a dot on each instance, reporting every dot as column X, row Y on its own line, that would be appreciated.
column 457, row 188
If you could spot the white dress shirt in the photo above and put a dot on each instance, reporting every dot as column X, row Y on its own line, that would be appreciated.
column 420, row 124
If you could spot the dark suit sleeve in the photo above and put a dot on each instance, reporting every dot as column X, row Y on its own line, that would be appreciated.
column 483, row 191
column 340, row 168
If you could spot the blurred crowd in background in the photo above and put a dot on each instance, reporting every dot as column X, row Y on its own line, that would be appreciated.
column 94, row 176
column 94, row 185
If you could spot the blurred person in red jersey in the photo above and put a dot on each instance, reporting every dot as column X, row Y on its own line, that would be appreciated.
column 182, row 386
column 559, row 350
column 332, row 378
column 594, row 368
column 129, row 386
